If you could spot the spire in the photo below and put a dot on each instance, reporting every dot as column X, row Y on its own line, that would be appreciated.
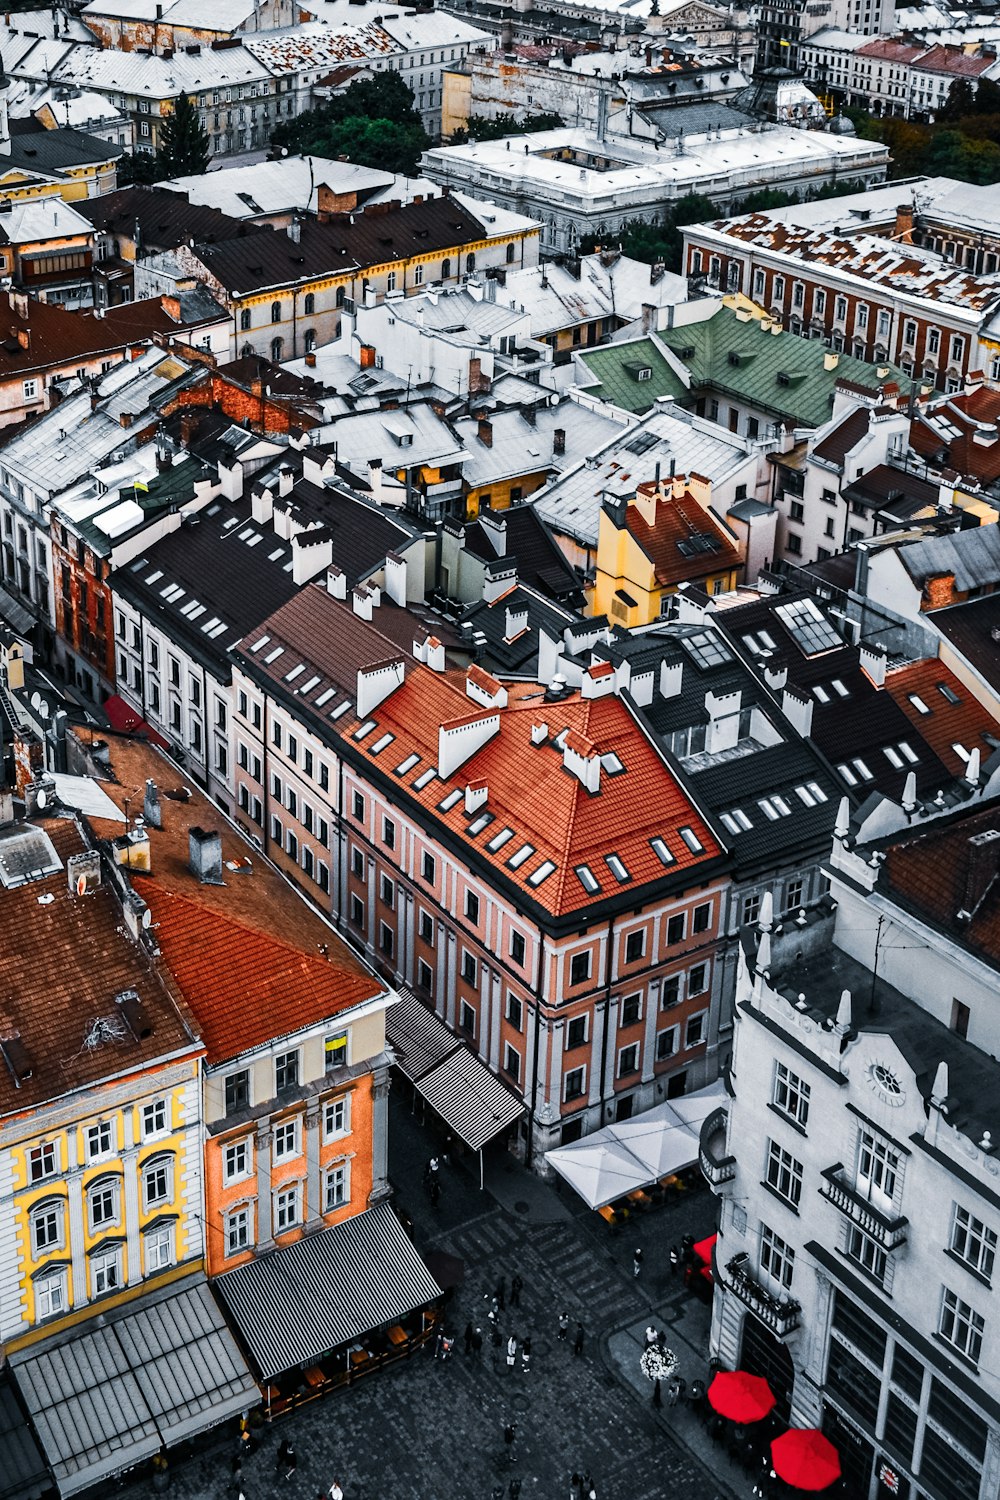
column 910, row 794
column 842, row 827
column 764, row 953
column 972, row 768
column 939, row 1093
column 765, row 917
column 845, row 1019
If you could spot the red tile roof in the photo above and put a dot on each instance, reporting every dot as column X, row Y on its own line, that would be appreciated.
column 964, row 723
column 852, row 427
column 54, row 336
column 679, row 519
column 887, row 50
column 928, row 870
column 954, row 62
column 970, row 413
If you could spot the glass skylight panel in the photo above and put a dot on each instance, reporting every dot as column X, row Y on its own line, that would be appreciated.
column 805, row 796
column 220, row 629
column 448, row 802
column 661, row 851
column 847, row 774
column 617, row 867
column 839, row 688
column 948, row 693
column 274, row 654
column 188, row 609
column 233, row 521
column 211, row 624
column 769, row 810
column 768, row 640
column 892, row 757
column 308, row 686
column 172, row 593
column 197, row 612
column 273, row 556
column 478, row 824
column 692, row 840
column 247, row 531
column 730, row 823
column 707, row 649
column 382, row 743
column 587, row 879
column 424, row 779
column 324, row 697
column 543, row 872
column 155, row 577
column 499, row 839
column 808, row 626
column 960, row 751
column 213, row 510
column 736, row 821
column 518, row 858
column 862, row 769
column 407, row 764
column 259, row 645
column 817, row 791
column 918, row 703
column 341, row 708
column 365, row 729
column 820, row 693
column 294, row 673
column 255, row 541
column 907, row 751
column 612, row 764
column 783, row 807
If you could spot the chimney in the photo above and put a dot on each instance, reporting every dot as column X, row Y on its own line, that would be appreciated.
column 798, row 710
column 831, row 359
column 581, row 759
column 378, row 682
column 295, row 229
column 501, row 577
column 395, row 579
column 151, row 810
column 539, row 734
column 336, row 582
column 476, row 794
column 83, row 872
column 132, row 849
column 262, row 506
column 980, row 872
column 362, row 601
column 872, row 662
column 671, row 678
column 205, row 855
column 559, row 442
column 903, row 231
column 435, row 654
column 495, row 528
column 286, row 480
column 517, row 622
column 486, row 432
column 460, row 739
column 366, row 356
column 483, row 688
column 723, row 711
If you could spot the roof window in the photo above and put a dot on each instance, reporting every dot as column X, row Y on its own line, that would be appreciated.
column 424, row 779
column 663, row 854
column 518, row 858
column 587, row 879
column 407, row 764
column 948, row 693
column 382, row 743
column 447, row 803
column 617, row 868
column 499, row 839
column 543, row 872
column 918, row 703
column 365, row 730
column 692, row 840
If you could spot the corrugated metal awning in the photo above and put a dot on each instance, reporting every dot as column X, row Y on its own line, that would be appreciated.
column 299, row 1303
column 471, row 1100
column 21, row 621
column 104, row 1398
column 23, row 1475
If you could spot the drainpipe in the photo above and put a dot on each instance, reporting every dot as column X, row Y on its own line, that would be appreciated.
column 529, row 1151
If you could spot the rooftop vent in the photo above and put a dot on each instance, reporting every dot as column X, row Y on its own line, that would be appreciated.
column 205, row 855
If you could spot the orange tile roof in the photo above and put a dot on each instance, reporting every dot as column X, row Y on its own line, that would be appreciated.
column 679, row 519
column 247, row 954
column 964, row 723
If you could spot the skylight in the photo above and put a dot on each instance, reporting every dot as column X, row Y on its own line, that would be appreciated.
column 324, row 697
column 478, row 824
column 948, row 693
column 341, row 708
column 382, row 743
column 617, row 868
column 543, row 872
column 707, row 649
column 661, row 851
column 839, row 688
column 424, row 779
column 808, row 626
column 364, row 730
column 692, row 840
column 499, row 839
column 447, row 803
column 407, row 765
column 612, row 764
column 736, row 821
column 259, row 645
column 893, row 758
column 855, row 771
column 918, row 703
column 294, row 673
column 587, row 879
column 307, row 687
column 820, row 693
column 273, row 655
column 518, row 858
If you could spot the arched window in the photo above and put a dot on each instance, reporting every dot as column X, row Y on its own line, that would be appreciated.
column 470, row 262
column 310, row 340
column 340, row 296
column 245, row 319
column 445, row 268
column 309, row 306
column 275, row 312
column 158, row 1180
column 276, row 347
column 510, row 255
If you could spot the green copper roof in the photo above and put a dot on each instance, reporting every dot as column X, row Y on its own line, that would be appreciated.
column 631, row 375
column 782, row 372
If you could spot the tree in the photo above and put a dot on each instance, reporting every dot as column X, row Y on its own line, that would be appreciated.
column 184, row 149
column 138, row 166
column 961, row 101
column 373, row 122
column 661, row 240
column 480, row 128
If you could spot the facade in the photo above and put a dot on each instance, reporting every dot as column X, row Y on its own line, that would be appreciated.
column 858, row 1213
column 50, row 252
column 891, row 76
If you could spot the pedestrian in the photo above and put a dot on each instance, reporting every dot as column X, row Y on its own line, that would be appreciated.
column 494, row 1311
column 447, row 1345
column 589, row 1488
column 336, row 1493
column 637, row 1262
column 286, row 1461
column 509, row 1433
column 652, row 1336
column 676, row 1391
column 578, row 1341
column 516, row 1287
column 439, row 1343
column 477, row 1341
column 525, row 1356
column 575, row 1487
column 563, row 1326
column 497, row 1492
column 514, row 1489
column 687, row 1249
column 500, row 1294
column 435, row 1192
column 675, row 1259
column 511, row 1352
column 432, row 1169
column 468, row 1339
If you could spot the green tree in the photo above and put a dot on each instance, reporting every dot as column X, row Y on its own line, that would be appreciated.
column 373, row 123
column 184, row 149
column 138, row 166
column 961, row 101
column 480, row 128
column 661, row 240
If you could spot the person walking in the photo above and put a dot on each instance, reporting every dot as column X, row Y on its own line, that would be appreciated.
column 575, row 1487
column 439, row 1343
column 514, row 1489
column 652, row 1337
column 511, row 1352
column 578, row 1341
column 675, row 1259
column 516, row 1288
column 477, row 1341
column 286, row 1462
column 637, row 1262
column 563, row 1326
column 435, row 1192
column 525, row 1356
column 468, row 1339
column 509, row 1434
column 336, row 1493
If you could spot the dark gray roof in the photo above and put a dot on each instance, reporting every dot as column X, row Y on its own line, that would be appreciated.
column 521, row 655
column 58, row 150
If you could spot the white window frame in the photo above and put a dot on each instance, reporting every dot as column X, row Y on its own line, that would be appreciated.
column 158, row 1251
column 100, row 1140
column 158, row 1164
column 777, row 1259
column 51, row 1294
column 783, row 1174
column 234, row 1173
column 337, row 1185
column 960, row 1326
column 572, row 1098
column 49, row 1210
column 105, row 1262
column 238, row 1227
column 972, row 1242
column 154, row 1110
column 337, row 1117
column 112, row 1186
column 699, row 1016
column 289, row 1134
column 287, row 1197
column 790, row 1094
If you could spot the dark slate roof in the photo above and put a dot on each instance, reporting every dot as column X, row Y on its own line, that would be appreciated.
column 270, row 258
column 520, row 655
column 974, row 630
column 165, row 220
column 894, row 490
column 250, row 368
column 541, row 563
column 57, row 151
column 838, row 443
column 24, row 1475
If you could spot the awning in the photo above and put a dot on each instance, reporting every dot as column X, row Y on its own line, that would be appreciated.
column 103, row 1398
column 124, row 718
column 460, row 1088
column 23, row 1475
column 634, row 1153
column 20, row 620
column 299, row 1303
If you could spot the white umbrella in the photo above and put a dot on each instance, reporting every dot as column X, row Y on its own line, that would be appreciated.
column 599, row 1168
column 663, row 1146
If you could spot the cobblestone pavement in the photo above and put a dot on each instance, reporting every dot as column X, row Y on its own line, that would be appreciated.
column 426, row 1430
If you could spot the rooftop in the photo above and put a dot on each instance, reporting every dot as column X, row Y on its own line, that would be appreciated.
column 631, row 375
column 682, row 539
column 944, row 711
column 160, row 220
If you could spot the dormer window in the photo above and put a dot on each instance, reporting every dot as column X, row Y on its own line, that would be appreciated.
column 644, row 373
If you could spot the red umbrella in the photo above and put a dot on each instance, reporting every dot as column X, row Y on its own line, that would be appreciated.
column 740, row 1397
column 805, row 1459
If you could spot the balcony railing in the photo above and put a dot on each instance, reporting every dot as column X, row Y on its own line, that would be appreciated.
column 716, row 1166
column 779, row 1314
column 890, row 1234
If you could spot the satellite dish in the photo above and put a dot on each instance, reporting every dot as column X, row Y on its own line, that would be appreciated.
column 146, row 917
column 43, row 798
column 36, row 699
column 81, row 885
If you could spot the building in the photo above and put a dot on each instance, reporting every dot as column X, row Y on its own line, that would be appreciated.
column 783, row 29
column 275, row 192
column 49, row 248
column 890, row 75
column 175, row 27
column 140, row 221
column 36, row 162
column 855, row 1252
column 651, row 543
column 511, row 454
column 581, row 183
column 568, row 935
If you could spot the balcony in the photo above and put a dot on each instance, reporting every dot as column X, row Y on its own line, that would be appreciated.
column 716, row 1167
column 780, row 1315
column 889, row 1234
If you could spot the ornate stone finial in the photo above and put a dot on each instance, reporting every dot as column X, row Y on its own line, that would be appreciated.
column 842, row 827
column 765, row 917
column 910, row 794
column 845, row 1019
column 764, row 953
column 939, row 1093
column 972, row 768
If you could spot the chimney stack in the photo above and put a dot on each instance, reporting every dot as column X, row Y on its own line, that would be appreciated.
column 980, row 872
column 559, row 442
column 205, row 855
column 485, row 432
column 151, row 809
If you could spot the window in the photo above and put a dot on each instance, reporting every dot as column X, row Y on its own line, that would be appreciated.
column 517, row 948
column 237, row 1231
column 469, row 967
column 50, row 1295
column 286, row 1209
column 42, row 1161
column 628, row 1060
column 776, row 1258
column 358, row 805
column 100, row 1140
column 158, row 1248
column 286, row 1071
column 670, row 991
column 309, row 304
column 157, row 1181
column 961, row 1015
column 866, row 1252
column 575, row 1084
column 428, row 867
column 286, row 1140
column 425, row 976
column 387, row 890
column 426, row 927
column 30, row 389
column 697, row 979
column 388, row 833
column 515, row 1016
column 579, row 968
column 751, row 907
column 635, row 947
column 385, row 939
column 694, row 1032
column 793, row 894
column 275, row 312
column 357, row 911
column 237, row 1091
column 236, row 1161
column 335, row 1051
column 972, row 1242
column 472, row 907
column 337, row 1118
column 576, row 1033
column 960, row 1326
column 337, row 1186
column 878, row 1166
column 666, row 1043
column 47, row 1226
column 784, row 1174
column 676, row 929
column 702, row 917
column 102, row 1201
column 357, row 864
column 445, row 268
column 106, row 1271
column 790, row 1094
column 631, row 1009
column 467, row 1019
